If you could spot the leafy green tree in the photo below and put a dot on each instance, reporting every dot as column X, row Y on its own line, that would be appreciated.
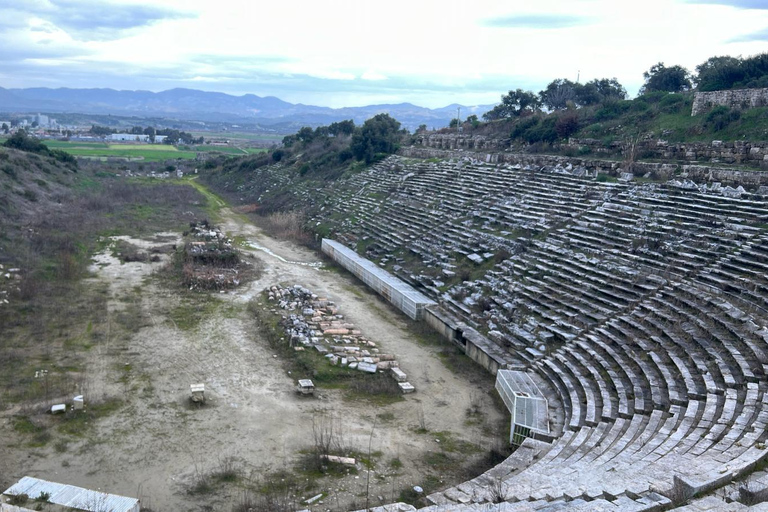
column 151, row 132
column 599, row 91
column 454, row 123
column 666, row 79
column 5, row 128
column 342, row 128
column 289, row 140
column 421, row 129
column 21, row 141
column 717, row 73
column 516, row 103
column 755, row 70
column 378, row 135
column 305, row 134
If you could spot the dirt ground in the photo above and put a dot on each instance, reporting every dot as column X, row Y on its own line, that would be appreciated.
column 157, row 445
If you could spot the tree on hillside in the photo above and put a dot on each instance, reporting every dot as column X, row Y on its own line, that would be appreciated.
column 514, row 104
column 755, row 70
column 305, row 134
column 666, row 79
column 5, row 128
column 558, row 93
column 600, row 90
column 379, row 135
column 341, row 128
column 23, row 142
column 717, row 73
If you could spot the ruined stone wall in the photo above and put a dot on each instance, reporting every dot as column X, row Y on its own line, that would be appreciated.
column 660, row 171
column 716, row 152
column 733, row 98
column 460, row 141
column 754, row 154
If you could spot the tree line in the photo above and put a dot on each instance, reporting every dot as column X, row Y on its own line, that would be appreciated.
column 378, row 136
column 716, row 73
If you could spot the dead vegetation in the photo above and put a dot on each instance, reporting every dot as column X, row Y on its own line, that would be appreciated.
column 289, row 225
column 50, row 317
column 208, row 260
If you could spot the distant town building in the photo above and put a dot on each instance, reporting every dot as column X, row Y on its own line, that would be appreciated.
column 128, row 137
column 133, row 137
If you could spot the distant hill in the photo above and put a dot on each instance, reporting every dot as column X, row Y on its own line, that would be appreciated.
column 191, row 104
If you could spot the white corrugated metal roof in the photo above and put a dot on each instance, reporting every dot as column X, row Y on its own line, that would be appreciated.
column 523, row 398
column 395, row 283
column 72, row 496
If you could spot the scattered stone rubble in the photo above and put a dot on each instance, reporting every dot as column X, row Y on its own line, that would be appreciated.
column 315, row 323
column 9, row 277
column 210, row 260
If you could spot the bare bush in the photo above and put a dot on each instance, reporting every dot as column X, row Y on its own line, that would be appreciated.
column 286, row 225
column 328, row 435
column 274, row 493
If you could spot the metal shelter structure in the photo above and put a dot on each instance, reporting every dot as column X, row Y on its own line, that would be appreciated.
column 73, row 497
column 526, row 403
column 399, row 293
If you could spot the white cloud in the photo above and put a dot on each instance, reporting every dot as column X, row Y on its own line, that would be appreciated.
column 339, row 52
column 373, row 76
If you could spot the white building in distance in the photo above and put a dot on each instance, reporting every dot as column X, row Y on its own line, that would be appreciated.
column 133, row 137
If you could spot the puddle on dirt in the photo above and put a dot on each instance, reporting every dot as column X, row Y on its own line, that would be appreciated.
column 254, row 245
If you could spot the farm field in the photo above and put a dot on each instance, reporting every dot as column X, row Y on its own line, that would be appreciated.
column 102, row 150
column 142, row 152
column 267, row 138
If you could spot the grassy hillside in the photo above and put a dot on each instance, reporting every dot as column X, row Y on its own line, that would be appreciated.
column 661, row 115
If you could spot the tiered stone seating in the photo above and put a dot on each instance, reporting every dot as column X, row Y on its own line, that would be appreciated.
column 641, row 307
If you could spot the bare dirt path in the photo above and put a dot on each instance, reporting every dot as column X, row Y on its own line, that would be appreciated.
column 157, row 446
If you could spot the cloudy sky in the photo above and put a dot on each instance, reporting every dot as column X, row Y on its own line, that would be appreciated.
column 357, row 52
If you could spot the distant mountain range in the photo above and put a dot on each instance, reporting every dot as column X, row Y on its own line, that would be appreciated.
column 191, row 104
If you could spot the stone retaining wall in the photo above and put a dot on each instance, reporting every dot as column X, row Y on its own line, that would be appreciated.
column 733, row 98
column 460, row 141
column 715, row 152
column 659, row 171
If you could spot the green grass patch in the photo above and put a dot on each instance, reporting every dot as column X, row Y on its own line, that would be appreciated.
column 79, row 423
column 450, row 444
column 192, row 310
column 101, row 150
column 213, row 202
